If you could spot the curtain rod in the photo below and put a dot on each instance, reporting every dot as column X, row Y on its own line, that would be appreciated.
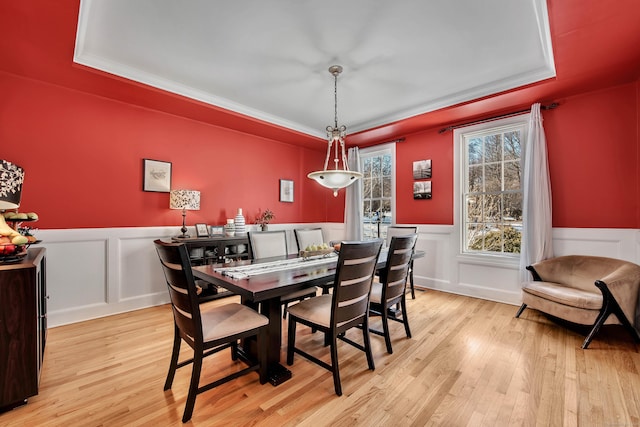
column 502, row 116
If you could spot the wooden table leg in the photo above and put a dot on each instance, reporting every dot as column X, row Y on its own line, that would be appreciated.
column 276, row 373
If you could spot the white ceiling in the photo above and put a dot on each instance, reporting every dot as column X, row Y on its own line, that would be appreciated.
column 269, row 59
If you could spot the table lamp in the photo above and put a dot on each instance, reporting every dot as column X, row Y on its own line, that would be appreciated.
column 11, row 179
column 185, row 200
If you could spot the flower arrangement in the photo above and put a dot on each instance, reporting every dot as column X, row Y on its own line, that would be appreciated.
column 265, row 217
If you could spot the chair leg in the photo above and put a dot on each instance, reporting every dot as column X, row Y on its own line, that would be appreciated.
column 173, row 365
column 405, row 318
column 385, row 329
column 413, row 291
column 334, row 364
column 291, row 340
column 234, row 351
column 367, row 343
column 520, row 310
column 284, row 310
column 602, row 317
column 193, row 386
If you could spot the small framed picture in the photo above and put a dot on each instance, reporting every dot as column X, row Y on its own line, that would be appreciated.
column 422, row 190
column 216, row 230
column 156, row 176
column 286, row 190
column 202, row 230
column 422, row 169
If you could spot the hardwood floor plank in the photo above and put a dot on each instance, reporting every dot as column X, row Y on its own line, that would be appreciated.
column 469, row 363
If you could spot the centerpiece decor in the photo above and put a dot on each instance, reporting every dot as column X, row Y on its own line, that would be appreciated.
column 264, row 218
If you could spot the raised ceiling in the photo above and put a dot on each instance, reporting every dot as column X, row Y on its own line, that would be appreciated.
column 269, row 59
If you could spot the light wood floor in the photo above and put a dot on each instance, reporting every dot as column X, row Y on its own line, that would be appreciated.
column 469, row 363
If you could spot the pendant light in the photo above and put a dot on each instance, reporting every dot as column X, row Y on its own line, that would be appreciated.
column 336, row 178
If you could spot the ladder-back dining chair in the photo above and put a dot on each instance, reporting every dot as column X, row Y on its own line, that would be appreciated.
column 268, row 244
column 391, row 289
column 206, row 328
column 347, row 307
column 396, row 230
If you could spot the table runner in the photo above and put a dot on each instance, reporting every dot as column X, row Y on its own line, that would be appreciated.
column 245, row 271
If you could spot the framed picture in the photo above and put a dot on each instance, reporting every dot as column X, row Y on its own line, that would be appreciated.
column 286, row 190
column 202, row 230
column 156, row 176
column 216, row 230
column 422, row 169
column 422, row 190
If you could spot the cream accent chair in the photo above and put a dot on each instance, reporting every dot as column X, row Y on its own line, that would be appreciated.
column 311, row 236
column 586, row 290
column 308, row 236
column 270, row 244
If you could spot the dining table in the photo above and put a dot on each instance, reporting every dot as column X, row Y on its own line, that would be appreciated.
column 261, row 284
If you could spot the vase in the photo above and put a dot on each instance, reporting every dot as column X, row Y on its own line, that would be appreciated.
column 230, row 228
column 264, row 227
column 240, row 223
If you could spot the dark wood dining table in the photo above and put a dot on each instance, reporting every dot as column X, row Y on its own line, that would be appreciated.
column 263, row 292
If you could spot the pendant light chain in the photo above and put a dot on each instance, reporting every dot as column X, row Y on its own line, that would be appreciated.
column 335, row 178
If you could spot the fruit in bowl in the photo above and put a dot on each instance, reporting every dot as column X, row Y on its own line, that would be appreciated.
column 11, row 250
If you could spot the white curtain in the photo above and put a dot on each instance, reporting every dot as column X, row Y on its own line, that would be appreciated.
column 353, row 200
column 537, row 241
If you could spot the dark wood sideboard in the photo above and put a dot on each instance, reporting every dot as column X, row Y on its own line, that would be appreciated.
column 212, row 250
column 23, row 327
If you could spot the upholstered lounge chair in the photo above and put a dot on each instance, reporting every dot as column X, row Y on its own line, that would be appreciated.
column 586, row 290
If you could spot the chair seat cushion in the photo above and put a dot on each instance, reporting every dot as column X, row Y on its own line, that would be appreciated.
column 229, row 319
column 565, row 295
column 316, row 310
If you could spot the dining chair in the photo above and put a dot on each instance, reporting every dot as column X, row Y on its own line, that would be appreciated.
column 268, row 244
column 206, row 328
column 308, row 236
column 347, row 307
column 391, row 289
column 311, row 236
column 396, row 230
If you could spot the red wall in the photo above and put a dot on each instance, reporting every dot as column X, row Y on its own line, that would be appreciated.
column 593, row 149
column 83, row 160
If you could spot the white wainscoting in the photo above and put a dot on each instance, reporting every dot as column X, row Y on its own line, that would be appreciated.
column 99, row 272
column 496, row 279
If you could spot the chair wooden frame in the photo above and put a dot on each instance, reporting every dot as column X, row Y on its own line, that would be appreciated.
column 397, row 230
column 391, row 290
column 188, row 317
column 347, row 307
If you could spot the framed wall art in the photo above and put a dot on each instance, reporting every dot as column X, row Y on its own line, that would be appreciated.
column 156, row 176
column 422, row 190
column 422, row 169
column 286, row 190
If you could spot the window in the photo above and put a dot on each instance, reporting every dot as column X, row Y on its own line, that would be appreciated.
column 492, row 187
column 378, row 182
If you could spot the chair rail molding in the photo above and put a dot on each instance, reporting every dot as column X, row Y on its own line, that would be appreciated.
column 98, row 272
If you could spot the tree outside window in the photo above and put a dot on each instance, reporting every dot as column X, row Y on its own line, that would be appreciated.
column 492, row 190
column 377, row 190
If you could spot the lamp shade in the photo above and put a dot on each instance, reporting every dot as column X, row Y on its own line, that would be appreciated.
column 11, row 179
column 185, row 199
column 335, row 179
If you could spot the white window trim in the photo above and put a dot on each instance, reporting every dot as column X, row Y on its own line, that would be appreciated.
column 382, row 148
column 458, row 180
